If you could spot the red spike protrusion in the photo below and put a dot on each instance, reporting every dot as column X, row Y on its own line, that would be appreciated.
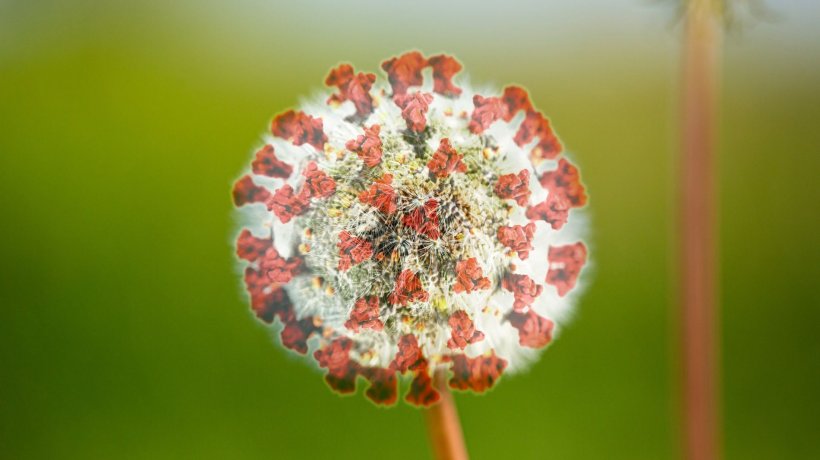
column 414, row 109
column 341, row 370
column 524, row 289
column 268, row 299
column 408, row 289
column 405, row 71
column 514, row 187
column 478, row 374
column 444, row 68
column 266, row 308
column 536, row 125
column 424, row 219
column 565, row 192
column 470, row 277
column 422, row 392
column 383, row 385
column 296, row 333
column 409, row 356
column 286, row 204
column 367, row 146
column 365, row 315
column 317, row 182
column 352, row 250
column 265, row 163
column 565, row 181
column 554, row 210
column 380, row 195
column 487, row 111
column 299, row 128
column 257, row 283
column 251, row 248
column 352, row 87
column 246, row 192
column 462, row 331
column 534, row 331
column 518, row 238
column 515, row 98
column 446, row 160
column 277, row 268
column 566, row 263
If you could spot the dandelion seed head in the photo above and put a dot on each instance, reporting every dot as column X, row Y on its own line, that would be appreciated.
column 405, row 225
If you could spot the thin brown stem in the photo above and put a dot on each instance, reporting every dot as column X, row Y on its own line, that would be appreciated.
column 443, row 425
column 698, row 230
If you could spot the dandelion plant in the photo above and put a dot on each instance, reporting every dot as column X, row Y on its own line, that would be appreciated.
column 413, row 230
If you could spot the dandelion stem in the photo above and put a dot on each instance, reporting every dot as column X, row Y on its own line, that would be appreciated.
column 698, row 229
column 443, row 425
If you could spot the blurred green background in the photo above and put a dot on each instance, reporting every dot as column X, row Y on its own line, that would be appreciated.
column 124, row 333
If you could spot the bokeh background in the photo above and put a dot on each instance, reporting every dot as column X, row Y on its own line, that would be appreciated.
column 124, row 333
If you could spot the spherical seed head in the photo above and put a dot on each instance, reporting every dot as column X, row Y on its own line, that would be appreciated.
column 412, row 226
